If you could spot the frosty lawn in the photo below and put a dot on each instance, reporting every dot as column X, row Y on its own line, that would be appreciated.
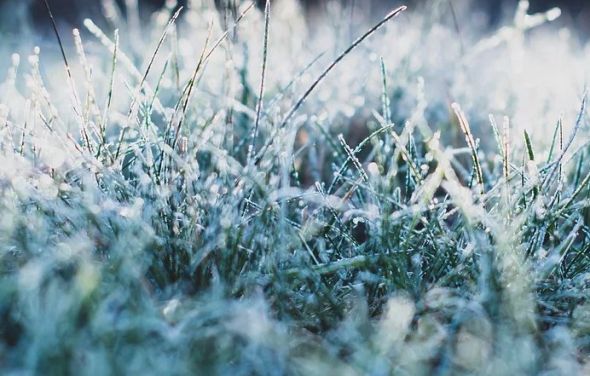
column 240, row 194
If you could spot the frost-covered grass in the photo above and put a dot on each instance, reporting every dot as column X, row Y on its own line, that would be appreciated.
column 165, row 212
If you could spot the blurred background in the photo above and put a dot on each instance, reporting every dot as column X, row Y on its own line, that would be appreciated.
column 17, row 15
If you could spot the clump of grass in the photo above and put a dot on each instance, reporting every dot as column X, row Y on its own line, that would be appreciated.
column 155, row 243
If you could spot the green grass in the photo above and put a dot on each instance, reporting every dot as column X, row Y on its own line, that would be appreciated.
column 224, row 201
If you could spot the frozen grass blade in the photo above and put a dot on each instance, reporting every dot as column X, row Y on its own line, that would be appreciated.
column 91, row 105
column 497, row 135
column 557, row 131
column 167, row 29
column 579, row 167
column 352, row 157
column 252, row 147
column 109, row 100
column 570, row 141
column 531, row 156
column 394, row 13
column 466, row 129
column 529, row 146
column 77, row 104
